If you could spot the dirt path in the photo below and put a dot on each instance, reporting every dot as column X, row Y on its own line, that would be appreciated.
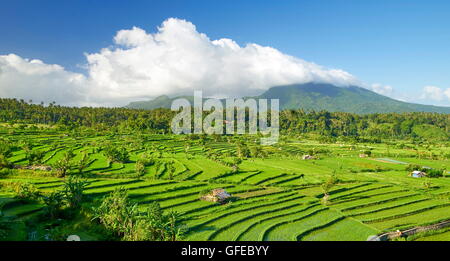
column 387, row 160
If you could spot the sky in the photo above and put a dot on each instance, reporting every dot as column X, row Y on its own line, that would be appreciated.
column 107, row 53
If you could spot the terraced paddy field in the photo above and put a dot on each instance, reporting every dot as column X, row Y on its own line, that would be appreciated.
column 445, row 236
column 275, row 197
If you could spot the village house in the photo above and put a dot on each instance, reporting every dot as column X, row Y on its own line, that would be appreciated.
column 216, row 195
column 418, row 174
column 308, row 157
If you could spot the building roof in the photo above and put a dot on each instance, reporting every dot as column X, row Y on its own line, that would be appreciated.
column 418, row 173
column 220, row 193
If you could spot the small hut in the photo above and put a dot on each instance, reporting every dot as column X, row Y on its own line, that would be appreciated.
column 216, row 195
column 363, row 155
column 308, row 157
column 418, row 174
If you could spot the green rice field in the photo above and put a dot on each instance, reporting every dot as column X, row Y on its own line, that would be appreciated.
column 277, row 197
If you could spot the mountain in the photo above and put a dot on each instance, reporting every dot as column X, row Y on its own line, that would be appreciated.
column 315, row 96
column 159, row 102
column 354, row 99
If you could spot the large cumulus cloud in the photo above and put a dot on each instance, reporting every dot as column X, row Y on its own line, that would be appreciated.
column 176, row 59
column 35, row 80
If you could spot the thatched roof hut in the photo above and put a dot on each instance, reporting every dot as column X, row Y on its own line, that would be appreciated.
column 308, row 157
column 216, row 195
column 418, row 174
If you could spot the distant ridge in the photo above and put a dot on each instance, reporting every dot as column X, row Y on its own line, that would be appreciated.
column 315, row 96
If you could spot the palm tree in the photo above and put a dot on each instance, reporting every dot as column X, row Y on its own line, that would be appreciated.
column 327, row 186
column 83, row 163
column 235, row 164
column 64, row 164
column 172, row 229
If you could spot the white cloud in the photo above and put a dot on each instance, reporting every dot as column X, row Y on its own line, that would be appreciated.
column 447, row 93
column 385, row 90
column 33, row 79
column 176, row 59
column 435, row 93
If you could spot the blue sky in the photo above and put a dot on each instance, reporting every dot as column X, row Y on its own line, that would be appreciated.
column 403, row 44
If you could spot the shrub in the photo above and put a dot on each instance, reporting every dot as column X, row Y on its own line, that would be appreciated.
column 144, row 161
column 119, row 215
column 54, row 203
column 117, row 154
column 368, row 153
column 83, row 163
column 147, row 159
column 257, row 152
column 327, row 186
column 170, row 169
column 73, row 191
column 235, row 164
column 413, row 167
column 24, row 191
column 5, row 172
column 204, row 192
column 434, row 173
column 5, row 226
column 34, row 156
column 63, row 165
column 242, row 150
column 140, row 168
column 5, row 152
column 4, row 163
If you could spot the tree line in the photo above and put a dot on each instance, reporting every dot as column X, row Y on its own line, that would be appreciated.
column 327, row 124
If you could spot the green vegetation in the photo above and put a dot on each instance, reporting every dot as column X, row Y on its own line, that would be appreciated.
column 122, row 217
column 118, row 174
column 318, row 97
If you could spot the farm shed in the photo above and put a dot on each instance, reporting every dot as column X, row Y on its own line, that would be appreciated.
column 418, row 174
column 216, row 195
column 363, row 155
column 308, row 157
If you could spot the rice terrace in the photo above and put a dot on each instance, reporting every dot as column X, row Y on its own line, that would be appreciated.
column 313, row 185
column 224, row 128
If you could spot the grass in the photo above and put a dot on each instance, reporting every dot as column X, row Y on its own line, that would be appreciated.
column 276, row 198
